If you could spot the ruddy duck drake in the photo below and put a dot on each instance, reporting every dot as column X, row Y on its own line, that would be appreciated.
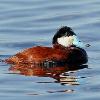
column 67, row 48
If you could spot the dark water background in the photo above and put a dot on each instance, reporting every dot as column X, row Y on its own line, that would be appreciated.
column 26, row 23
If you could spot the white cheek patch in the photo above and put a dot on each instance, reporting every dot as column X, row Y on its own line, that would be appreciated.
column 71, row 40
column 66, row 41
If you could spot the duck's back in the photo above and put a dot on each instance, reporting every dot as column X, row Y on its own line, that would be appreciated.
column 39, row 54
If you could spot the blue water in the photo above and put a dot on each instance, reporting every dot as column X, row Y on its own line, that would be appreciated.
column 27, row 23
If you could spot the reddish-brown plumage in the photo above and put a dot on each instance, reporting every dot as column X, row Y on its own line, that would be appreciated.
column 58, row 53
column 39, row 54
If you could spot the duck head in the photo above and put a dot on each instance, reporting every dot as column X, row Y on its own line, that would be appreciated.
column 66, row 37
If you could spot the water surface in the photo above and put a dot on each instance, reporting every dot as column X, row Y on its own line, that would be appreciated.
column 27, row 23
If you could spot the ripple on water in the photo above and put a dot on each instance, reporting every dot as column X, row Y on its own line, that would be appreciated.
column 27, row 23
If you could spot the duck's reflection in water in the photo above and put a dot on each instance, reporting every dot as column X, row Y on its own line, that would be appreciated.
column 60, row 72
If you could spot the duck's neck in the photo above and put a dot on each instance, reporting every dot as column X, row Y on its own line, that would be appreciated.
column 59, row 46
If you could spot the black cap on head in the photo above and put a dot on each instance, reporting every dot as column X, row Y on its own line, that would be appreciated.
column 63, row 31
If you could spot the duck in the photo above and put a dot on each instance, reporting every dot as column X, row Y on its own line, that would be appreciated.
column 66, row 48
